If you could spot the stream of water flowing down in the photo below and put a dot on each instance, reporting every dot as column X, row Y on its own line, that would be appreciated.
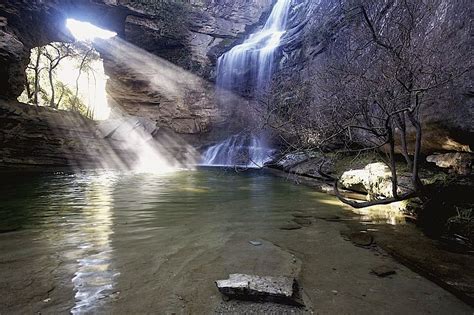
column 250, row 65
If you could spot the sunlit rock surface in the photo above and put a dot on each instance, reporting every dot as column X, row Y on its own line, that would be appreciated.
column 39, row 136
column 189, row 35
column 460, row 163
column 251, row 287
column 375, row 180
column 33, row 136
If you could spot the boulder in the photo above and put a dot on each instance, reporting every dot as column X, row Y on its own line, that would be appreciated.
column 375, row 180
column 260, row 288
column 457, row 162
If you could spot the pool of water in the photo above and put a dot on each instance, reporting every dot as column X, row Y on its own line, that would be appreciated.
column 75, row 242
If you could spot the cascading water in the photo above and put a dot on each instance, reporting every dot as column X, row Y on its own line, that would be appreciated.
column 248, row 66
column 239, row 150
column 250, row 63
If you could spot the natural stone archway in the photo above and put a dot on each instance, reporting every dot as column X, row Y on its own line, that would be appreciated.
column 192, row 42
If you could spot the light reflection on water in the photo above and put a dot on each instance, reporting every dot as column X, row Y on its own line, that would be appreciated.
column 95, row 277
column 384, row 214
column 100, row 226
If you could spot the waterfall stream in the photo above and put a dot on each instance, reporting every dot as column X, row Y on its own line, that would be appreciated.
column 239, row 150
column 250, row 63
column 249, row 66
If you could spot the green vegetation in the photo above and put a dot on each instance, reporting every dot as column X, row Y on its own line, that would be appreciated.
column 45, row 88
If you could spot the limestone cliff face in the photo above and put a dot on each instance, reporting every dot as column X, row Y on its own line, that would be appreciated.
column 318, row 29
column 39, row 136
column 182, row 40
column 189, row 34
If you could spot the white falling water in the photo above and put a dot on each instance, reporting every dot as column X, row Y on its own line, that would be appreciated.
column 248, row 66
column 239, row 150
column 250, row 63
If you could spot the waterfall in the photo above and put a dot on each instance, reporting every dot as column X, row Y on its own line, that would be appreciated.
column 239, row 150
column 250, row 63
column 248, row 66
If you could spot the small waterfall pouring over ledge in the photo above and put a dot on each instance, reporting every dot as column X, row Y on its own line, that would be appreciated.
column 249, row 66
column 240, row 150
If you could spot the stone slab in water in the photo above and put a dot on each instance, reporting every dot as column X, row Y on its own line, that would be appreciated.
column 260, row 288
column 383, row 271
column 302, row 221
column 361, row 239
column 290, row 226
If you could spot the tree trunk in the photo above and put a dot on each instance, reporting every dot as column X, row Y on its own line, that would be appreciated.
column 37, row 76
column 51, row 83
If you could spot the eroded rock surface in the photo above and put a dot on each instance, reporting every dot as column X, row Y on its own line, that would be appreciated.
column 375, row 180
column 318, row 30
column 39, row 136
column 189, row 36
column 460, row 163
column 260, row 288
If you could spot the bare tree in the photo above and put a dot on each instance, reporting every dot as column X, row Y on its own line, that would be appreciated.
column 33, row 88
column 381, row 73
column 55, row 53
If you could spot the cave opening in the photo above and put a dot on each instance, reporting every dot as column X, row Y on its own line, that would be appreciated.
column 69, row 75
column 264, row 156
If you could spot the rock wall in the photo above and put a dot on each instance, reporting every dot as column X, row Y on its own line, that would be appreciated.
column 40, row 136
column 189, row 34
column 320, row 30
column 182, row 40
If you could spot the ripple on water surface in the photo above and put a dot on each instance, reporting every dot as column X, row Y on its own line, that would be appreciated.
column 86, row 232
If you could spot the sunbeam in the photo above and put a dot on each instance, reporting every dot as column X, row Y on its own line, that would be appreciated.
column 85, row 31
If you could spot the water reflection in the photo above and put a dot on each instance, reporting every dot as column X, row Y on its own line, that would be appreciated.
column 381, row 214
column 167, row 235
column 95, row 277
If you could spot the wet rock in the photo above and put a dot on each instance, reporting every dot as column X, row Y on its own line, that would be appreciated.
column 359, row 238
column 302, row 215
column 302, row 221
column 383, row 271
column 290, row 226
column 459, row 162
column 330, row 218
column 260, row 288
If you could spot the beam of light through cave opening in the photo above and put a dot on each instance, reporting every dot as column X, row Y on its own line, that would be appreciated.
column 85, row 31
column 129, row 143
column 163, row 78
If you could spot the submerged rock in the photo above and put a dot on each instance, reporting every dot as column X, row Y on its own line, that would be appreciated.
column 362, row 239
column 302, row 215
column 330, row 218
column 290, row 226
column 302, row 221
column 260, row 288
column 383, row 271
